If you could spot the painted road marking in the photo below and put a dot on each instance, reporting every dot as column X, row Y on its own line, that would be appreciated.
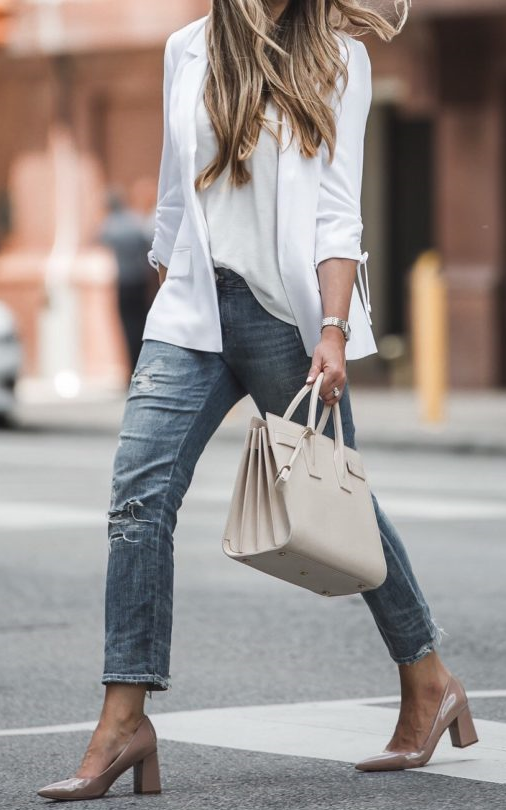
column 33, row 515
column 428, row 508
column 400, row 506
column 340, row 731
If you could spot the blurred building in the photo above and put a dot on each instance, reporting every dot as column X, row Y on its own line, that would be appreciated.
column 81, row 109
column 436, row 175
column 80, row 94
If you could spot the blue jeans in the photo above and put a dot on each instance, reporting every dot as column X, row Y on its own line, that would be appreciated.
column 177, row 399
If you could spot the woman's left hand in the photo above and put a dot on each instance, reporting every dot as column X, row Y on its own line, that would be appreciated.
column 329, row 357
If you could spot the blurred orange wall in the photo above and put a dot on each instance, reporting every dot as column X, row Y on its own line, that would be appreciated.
column 97, row 77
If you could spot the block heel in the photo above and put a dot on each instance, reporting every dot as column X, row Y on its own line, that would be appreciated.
column 139, row 754
column 463, row 733
column 147, row 775
column 462, row 730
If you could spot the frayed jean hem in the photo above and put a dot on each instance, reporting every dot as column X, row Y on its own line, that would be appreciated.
column 154, row 682
column 435, row 641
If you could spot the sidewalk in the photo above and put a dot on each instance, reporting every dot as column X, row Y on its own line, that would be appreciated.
column 384, row 418
column 389, row 418
column 474, row 421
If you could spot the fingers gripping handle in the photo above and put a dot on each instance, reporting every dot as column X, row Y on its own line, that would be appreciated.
column 338, row 427
column 296, row 401
column 315, row 390
column 313, row 403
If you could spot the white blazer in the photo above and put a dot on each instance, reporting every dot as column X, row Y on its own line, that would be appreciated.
column 318, row 206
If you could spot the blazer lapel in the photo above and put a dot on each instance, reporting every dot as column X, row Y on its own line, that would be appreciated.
column 190, row 84
column 287, row 173
column 190, row 81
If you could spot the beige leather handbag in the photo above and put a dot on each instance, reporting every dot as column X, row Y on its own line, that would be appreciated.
column 301, row 508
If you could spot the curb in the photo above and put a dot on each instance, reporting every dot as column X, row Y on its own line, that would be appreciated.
column 402, row 443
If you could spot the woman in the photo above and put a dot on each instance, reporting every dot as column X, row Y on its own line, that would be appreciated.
column 258, row 221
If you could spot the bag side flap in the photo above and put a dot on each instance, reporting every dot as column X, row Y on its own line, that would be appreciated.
column 257, row 422
column 283, row 436
column 355, row 464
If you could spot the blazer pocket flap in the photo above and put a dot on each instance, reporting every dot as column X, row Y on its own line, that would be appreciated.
column 355, row 467
column 180, row 263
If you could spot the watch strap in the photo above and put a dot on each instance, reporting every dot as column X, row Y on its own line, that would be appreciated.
column 344, row 326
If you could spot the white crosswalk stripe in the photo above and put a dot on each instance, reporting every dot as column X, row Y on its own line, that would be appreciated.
column 340, row 731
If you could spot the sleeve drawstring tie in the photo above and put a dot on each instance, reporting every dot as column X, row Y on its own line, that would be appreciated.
column 364, row 292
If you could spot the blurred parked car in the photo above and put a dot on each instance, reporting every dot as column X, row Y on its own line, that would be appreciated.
column 10, row 360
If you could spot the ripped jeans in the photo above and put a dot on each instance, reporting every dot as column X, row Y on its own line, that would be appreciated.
column 177, row 399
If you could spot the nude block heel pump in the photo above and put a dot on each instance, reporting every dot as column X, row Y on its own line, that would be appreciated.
column 453, row 714
column 462, row 730
column 147, row 775
column 139, row 754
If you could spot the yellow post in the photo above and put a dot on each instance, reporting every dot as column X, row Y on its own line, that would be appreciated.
column 429, row 335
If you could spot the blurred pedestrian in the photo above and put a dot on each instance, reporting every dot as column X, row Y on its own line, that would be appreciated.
column 142, row 194
column 124, row 232
column 259, row 225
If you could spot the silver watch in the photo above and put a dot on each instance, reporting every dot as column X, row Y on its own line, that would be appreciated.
column 343, row 325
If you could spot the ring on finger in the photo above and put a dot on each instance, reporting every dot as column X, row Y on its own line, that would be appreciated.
column 335, row 391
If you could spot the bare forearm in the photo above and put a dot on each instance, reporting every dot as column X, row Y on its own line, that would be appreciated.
column 162, row 273
column 336, row 278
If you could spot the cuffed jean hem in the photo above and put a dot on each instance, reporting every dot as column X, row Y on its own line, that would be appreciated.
column 155, row 683
column 429, row 646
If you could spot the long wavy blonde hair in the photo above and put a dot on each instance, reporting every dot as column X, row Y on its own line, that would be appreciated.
column 295, row 61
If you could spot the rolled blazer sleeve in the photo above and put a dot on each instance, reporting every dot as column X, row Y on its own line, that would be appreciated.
column 170, row 203
column 339, row 221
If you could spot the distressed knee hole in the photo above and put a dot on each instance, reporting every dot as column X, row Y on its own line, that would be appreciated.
column 142, row 379
column 128, row 510
column 125, row 522
column 122, row 537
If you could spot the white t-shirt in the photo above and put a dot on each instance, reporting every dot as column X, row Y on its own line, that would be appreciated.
column 242, row 222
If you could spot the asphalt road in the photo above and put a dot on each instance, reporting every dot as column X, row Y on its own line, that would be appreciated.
column 240, row 639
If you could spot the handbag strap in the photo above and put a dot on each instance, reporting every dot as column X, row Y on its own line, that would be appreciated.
column 339, row 456
column 312, row 407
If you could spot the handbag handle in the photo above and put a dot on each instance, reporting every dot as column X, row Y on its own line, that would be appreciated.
column 312, row 405
column 339, row 456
